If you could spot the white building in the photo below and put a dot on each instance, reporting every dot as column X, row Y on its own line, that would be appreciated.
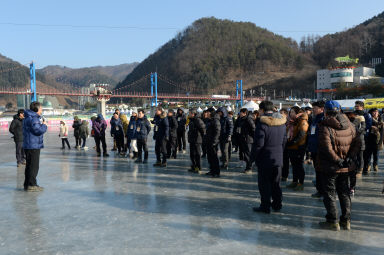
column 327, row 79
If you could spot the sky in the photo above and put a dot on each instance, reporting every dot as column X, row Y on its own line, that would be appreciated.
column 84, row 33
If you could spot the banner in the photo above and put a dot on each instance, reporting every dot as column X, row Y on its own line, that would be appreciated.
column 374, row 103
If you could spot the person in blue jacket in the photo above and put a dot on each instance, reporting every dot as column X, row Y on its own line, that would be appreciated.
column 313, row 141
column 131, row 136
column 161, row 136
column 34, row 128
column 267, row 152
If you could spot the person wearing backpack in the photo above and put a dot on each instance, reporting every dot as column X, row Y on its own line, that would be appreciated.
column 336, row 148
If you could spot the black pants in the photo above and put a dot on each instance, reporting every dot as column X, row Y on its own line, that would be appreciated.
column 241, row 153
column 269, row 187
column 65, row 141
column 181, row 143
column 204, row 147
column 172, row 147
column 213, row 160
column 101, row 139
column 127, row 146
column 224, row 153
column 20, row 154
column 78, row 140
column 297, row 160
column 32, row 167
column 161, row 150
column 142, row 146
column 285, row 170
column 246, row 151
column 119, row 143
column 84, row 142
column 337, row 183
column 370, row 150
column 319, row 175
column 360, row 158
column 195, row 154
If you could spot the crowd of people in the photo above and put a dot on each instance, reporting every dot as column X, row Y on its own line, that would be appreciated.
column 340, row 145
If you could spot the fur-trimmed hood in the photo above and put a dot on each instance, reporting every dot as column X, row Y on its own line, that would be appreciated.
column 360, row 118
column 276, row 119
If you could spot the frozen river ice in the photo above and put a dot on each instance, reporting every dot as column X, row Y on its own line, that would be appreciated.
column 111, row 205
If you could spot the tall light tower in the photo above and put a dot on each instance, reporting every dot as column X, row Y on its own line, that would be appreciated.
column 33, row 81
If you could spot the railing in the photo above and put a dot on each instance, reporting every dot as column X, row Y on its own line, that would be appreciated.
column 117, row 94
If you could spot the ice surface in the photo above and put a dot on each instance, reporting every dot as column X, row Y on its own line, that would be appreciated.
column 113, row 206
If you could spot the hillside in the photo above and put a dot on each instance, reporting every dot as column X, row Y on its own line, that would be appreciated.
column 15, row 75
column 212, row 54
column 80, row 77
column 364, row 41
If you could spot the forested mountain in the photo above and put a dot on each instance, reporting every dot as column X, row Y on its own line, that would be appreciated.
column 364, row 41
column 80, row 77
column 212, row 53
column 15, row 75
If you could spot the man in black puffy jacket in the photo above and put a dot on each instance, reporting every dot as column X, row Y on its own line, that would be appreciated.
column 181, row 122
column 226, row 124
column 212, row 140
column 196, row 132
column 246, row 131
column 16, row 129
column 161, row 136
column 171, row 144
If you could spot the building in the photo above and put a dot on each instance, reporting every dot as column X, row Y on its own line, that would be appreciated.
column 328, row 79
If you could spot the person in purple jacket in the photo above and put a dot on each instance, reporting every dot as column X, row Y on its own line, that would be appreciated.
column 99, row 126
column 33, row 130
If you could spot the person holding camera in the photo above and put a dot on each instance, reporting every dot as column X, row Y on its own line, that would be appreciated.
column 34, row 128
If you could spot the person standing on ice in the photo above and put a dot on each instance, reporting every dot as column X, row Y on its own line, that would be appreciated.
column 16, row 129
column 267, row 152
column 34, row 128
column 336, row 149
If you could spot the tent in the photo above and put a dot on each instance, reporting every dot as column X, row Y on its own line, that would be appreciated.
column 251, row 106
